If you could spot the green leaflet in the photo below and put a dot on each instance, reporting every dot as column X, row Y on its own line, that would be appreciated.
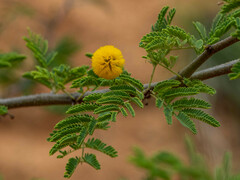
column 235, row 71
column 130, row 108
column 237, row 26
column 92, row 97
column 67, row 74
column 170, row 15
column 85, row 81
column 231, row 5
column 166, row 84
column 79, row 108
column 58, row 77
column 41, row 75
column 201, row 30
column 140, row 95
column 186, row 121
column 150, row 36
column 124, row 88
column 83, row 133
column 114, row 116
column 39, row 47
column 132, row 81
column 223, row 26
column 137, row 101
column 168, row 112
column 91, row 126
column 71, row 129
column 124, row 112
column 216, row 21
column 159, row 103
column 190, row 103
column 110, row 100
column 73, row 120
column 181, row 91
column 98, row 145
column 158, row 43
column 92, row 161
column 71, row 166
column 62, row 143
column 162, row 22
column 117, row 93
column 177, row 32
column 200, row 115
column 198, row 84
column 106, row 108
column 102, row 125
column 63, row 154
column 104, row 117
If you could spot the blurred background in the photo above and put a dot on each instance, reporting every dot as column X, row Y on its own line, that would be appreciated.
column 75, row 27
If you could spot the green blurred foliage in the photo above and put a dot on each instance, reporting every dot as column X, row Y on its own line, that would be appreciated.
column 165, row 165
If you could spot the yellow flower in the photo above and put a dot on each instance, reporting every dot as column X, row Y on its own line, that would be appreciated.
column 108, row 62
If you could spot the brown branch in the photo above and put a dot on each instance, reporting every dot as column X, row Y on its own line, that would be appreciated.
column 64, row 99
column 209, row 51
column 214, row 71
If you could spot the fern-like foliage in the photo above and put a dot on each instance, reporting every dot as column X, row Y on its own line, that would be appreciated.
column 92, row 97
column 73, row 131
column 185, row 120
column 224, row 20
column 203, row 88
column 235, row 71
column 71, row 166
column 8, row 59
column 165, row 37
column 164, row 19
column 151, row 164
column 99, row 110
column 98, row 145
column 175, row 100
column 230, row 5
column 201, row 115
column 91, row 160
column 79, row 108
column 73, row 120
column 192, row 102
column 54, row 78
column 39, row 46
column 132, row 81
column 166, row 166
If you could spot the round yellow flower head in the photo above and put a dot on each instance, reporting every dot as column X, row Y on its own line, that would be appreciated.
column 108, row 62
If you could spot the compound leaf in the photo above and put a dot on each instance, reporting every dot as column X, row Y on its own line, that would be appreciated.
column 79, row 108
column 186, row 121
column 98, row 145
column 71, row 166
column 91, row 160
column 201, row 115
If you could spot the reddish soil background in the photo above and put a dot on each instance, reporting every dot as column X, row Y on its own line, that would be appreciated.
column 122, row 23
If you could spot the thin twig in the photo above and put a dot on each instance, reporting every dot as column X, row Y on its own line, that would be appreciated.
column 214, row 71
column 64, row 99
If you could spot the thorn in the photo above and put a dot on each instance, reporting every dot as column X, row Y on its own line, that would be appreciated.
column 209, row 48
